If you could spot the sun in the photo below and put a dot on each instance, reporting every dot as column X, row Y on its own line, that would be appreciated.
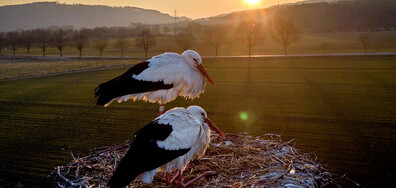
column 252, row 2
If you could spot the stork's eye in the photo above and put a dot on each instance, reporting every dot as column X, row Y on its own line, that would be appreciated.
column 196, row 61
column 203, row 114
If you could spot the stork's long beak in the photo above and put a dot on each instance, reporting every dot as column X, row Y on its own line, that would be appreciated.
column 213, row 127
column 204, row 72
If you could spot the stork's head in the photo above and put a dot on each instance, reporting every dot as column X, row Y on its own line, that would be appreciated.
column 200, row 113
column 195, row 59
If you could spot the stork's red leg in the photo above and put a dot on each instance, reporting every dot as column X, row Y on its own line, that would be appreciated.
column 167, row 178
column 181, row 184
column 161, row 109
column 174, row 177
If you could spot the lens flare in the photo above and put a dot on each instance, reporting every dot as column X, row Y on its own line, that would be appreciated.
column 252, row 2
column 244, row 116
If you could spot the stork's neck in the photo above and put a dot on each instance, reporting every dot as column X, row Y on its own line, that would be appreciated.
column 203, row 140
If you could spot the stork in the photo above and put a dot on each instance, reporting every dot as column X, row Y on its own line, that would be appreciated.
column 158, row 80
column 169, row 142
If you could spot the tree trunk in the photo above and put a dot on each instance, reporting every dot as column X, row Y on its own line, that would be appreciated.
column 365, row 50
column 43, row 48
column 250, row 51
column 145, row 53
column 101, row 52
column 285, row 50
column 217, row 52
column 60, row 53
column 28, row 51
column 80, row 52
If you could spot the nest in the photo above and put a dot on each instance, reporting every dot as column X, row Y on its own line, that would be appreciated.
column 240, row 161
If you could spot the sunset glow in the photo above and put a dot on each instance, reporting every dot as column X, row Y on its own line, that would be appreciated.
column 252, row 2
column 190, row 8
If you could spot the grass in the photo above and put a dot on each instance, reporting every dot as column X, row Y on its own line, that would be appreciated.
column 29, row 68
column 309, row 43
column 341, row 108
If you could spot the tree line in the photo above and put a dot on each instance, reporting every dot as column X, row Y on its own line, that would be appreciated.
column 284, row 32
column 60, row 37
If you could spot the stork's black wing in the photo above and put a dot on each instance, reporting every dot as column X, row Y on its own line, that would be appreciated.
column 125, row 85
column 144, row 154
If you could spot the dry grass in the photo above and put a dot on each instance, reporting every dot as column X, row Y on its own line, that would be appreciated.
column 240, row 160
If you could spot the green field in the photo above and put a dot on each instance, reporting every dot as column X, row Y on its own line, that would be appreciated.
column 30, row 68
column 341, row 108
column 309, row 43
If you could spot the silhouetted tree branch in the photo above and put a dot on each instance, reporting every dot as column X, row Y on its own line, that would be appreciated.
column 2, row 42
column 60, row 40
column 284, row 32
column 100, row 44
column 364, row 39
column 43, row 37
column 215, row 36
column 13, row 40
column 185, row 39
column 122, row 42
column 250, row 33
column 80, row 41
column 145, row 40
column 27, row 39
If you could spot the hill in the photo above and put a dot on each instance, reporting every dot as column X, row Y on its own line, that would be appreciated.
column 46, row 14
column 321, row 16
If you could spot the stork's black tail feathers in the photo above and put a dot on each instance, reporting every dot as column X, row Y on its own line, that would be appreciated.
column 126, row 84
column 130, row 166
column 124, row 174
column 144, row 154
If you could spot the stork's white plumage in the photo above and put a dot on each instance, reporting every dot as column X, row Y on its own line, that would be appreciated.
column 167, row 143
column 158, row 80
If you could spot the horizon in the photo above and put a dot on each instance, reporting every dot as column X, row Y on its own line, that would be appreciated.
column 183, row 8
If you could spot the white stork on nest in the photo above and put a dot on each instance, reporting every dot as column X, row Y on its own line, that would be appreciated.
column 160, row 79
column 167, row 143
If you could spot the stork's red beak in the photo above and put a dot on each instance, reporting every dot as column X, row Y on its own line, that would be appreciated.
column 213, row 127
column 204, row 72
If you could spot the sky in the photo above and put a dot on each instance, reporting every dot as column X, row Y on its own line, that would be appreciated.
column 190, row 8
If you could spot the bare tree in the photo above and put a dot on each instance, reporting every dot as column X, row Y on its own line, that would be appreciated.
column 2, row 42
column 324, row 46
column 60, row 40
column 145, row 40
column 122, row 41
column 80, row 41
column 121, row 44
column 185, row 39
column 13, row 40
column 250, row 33
column 27, row 39
column 284, row 32
column 100, row 44
column 43, row 37
column 364, row 38
column 215, row 36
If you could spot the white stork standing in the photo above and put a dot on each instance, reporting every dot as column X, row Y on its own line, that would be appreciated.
column 167, row 143
column 160, row 79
